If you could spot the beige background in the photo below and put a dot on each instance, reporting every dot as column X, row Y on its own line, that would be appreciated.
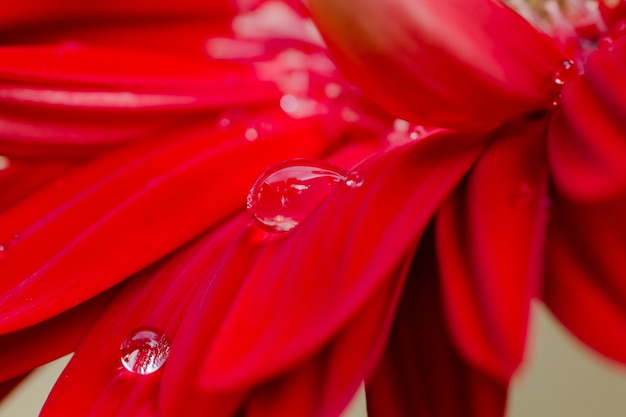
column 561, row 378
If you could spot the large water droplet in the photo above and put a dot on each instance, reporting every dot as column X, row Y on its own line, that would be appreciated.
column 145, row 350
column 286, row 193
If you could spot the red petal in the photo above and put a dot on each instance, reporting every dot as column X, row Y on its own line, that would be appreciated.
column 586, row 138
column 490, row 238
column 459, row 64
column 422, row 373
column 22, row 351
column 586, row 288
column 61, row 99
column 109, row 219
column 157, row 297
column 324, row 385
column 312, row 282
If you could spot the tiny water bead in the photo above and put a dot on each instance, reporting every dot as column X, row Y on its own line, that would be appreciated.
column 566, row 72
column 145, row 350
column 286, row 193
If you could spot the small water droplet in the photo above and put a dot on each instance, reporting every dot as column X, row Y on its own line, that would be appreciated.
column 353, row 180
column 3, row 252
column 566, row 72
column 144, row 351
column 286, row 193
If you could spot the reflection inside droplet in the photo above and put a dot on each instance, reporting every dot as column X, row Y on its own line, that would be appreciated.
column 286, row 193
column 144, row 351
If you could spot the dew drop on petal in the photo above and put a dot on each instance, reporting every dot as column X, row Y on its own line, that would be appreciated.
column 286, row 193
column 353, row 180
column 566, row 72
column 3, row 252
column 144, row 351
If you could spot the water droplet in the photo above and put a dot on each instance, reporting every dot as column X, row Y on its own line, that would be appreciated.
column 145, row 350
column 286, row 193
column 566, row 72
column 4, row 162
column 3, row 252
column 353, row 179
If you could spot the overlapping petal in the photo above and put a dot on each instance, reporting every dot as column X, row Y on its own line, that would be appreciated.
column 457, row 64
column 304, row 300
column 156, row 297
column 422, row 371
column 586, row 139
column 68, row 99
column 104, row 221
column 490, row 244
column 585, row 284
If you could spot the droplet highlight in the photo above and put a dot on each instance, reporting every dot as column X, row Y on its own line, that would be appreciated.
column 144, row 351
column 288, row 192
column 565, row 73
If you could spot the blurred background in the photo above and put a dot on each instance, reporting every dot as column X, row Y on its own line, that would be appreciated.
column 560, row 378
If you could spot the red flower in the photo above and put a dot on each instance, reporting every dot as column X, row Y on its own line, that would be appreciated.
column 154, row 122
